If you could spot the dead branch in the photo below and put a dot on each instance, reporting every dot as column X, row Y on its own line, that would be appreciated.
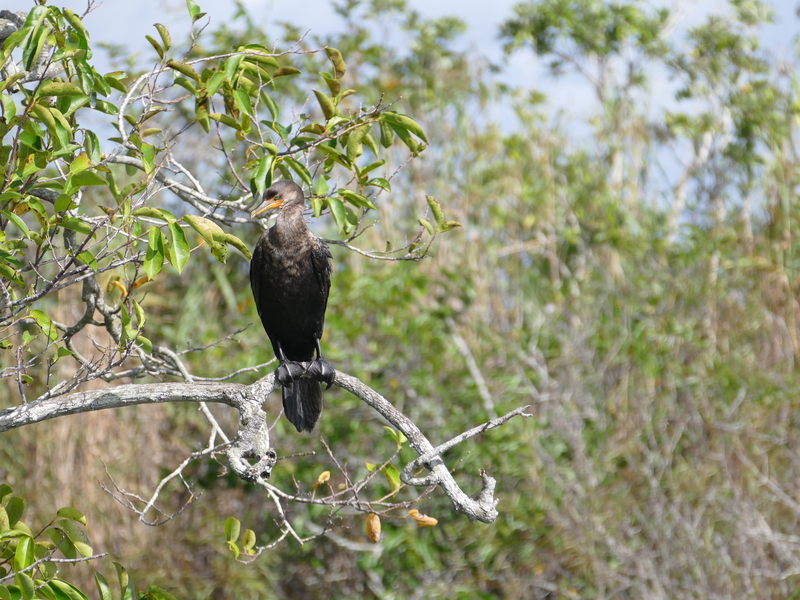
column 250, row 454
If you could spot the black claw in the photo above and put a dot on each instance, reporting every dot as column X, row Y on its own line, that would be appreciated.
column 321, row 370
column 288, row 371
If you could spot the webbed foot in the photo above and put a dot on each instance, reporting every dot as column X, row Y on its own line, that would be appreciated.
column 321, row 370
column 288, row 371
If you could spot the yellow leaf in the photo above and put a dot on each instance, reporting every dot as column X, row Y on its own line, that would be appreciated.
column 422, row 520
column 374, row 527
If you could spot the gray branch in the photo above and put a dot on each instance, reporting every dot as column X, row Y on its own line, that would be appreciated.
column 252, row 441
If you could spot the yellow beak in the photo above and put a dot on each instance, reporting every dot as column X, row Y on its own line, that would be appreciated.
column 276, row 202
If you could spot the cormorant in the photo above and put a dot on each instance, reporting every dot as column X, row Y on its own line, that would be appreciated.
column 290, row 275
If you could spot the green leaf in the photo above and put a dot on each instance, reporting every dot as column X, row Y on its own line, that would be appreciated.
column 300, row 169
column 156, row 46
column 72, row 513
column 183, row 68
column 371, row 143
column 194, row 10
column 80, row 163
column 148, row 158
column 88, row 259
column 334, row 153
column 326, row 104
column 12, row 42
column 34, row 44
column 154, row 258
column 145, row 343
column 381, row 183
column 186, row 84
column 271, row 105
column 259, row 54
column 202, row 114
column 156, row 593
column 47, row 116
column 16, row 220
column 75, row 21
column 337, row 61
column 92, row 145
column 321, row 187
column 66, row 591
column 102, row 587
column 179, row 249
column 232, row 529
column 217, row 79
column 4, row 522
column 334, row 85
column 76, row 225
column 114, row 82
column 392, row 477
column 5, row 492
column 404, row 122
column 15, row 507
column 448, row 225
column 387, row 134
column 76, row 535
column 396, row 435
column 211, row 233
column 357, row 199
column 242, row 101
column 226, row 120
column 24, row 555
column 125, row 583
column 47, row 327
column 9, row 83
column 166, row 38
column 60, row 89
column 87, row 178
column 338, row 212
column 154, row 213
column 354, row 141
column 26, row 586
column 248, row 541
column 262, row 177
column 286, row 71
column 436, row 209
column 427, row 225
column 139, row 312
column 238, row 244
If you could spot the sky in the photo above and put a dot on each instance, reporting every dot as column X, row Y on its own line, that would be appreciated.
column 127, row 22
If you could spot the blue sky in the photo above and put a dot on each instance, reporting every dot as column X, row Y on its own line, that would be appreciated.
column 127, row 22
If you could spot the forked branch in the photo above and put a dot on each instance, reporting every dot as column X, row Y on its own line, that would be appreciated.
column 250, row 454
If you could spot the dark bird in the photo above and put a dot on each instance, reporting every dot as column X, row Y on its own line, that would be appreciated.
column 290, row 275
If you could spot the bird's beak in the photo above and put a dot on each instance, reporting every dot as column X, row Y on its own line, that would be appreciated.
column 276, row 202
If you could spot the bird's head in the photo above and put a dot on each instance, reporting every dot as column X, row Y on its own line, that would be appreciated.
column 280, row 194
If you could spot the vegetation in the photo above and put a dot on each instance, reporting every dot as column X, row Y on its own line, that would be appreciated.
column 632, row 276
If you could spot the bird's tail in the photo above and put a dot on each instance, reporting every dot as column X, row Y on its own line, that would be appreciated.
column 302, row 403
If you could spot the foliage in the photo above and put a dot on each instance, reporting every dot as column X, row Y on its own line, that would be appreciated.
column 31, row 562
column 74, row 207
column 632, row 276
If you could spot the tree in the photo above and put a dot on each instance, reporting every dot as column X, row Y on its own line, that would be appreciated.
column 114, row 218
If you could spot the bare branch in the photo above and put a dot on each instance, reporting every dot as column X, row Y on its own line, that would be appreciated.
column 252, row 442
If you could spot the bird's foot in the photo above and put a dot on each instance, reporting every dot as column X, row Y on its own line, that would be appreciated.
column 288, row 371
column 321, row 370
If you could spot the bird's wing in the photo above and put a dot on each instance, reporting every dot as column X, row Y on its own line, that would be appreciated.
column 321, row 262
column 255, row 280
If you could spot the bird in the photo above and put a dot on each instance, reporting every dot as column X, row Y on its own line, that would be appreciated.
column 290, row 276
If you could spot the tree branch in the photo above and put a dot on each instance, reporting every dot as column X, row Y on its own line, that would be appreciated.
column 252, row 442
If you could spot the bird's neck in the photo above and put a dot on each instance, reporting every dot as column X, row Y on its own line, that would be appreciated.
column 289, row 224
